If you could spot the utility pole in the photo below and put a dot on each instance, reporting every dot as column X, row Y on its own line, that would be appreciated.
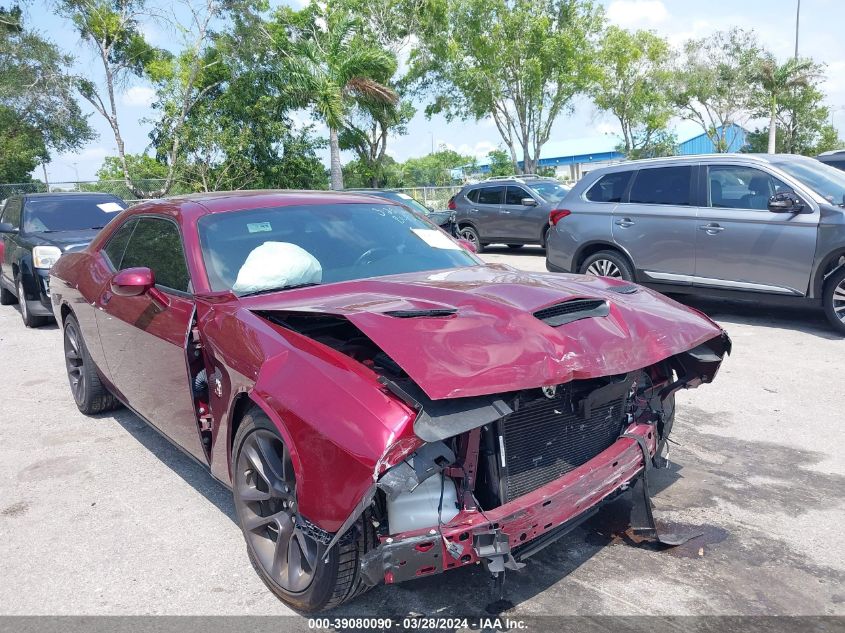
column 797, row 22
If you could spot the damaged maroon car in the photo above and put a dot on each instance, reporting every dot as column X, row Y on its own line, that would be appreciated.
column 383, row 404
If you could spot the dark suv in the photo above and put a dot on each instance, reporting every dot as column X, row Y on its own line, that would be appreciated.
column 768, row 226
column 836, row 158
column 512, row 210
column 35, row 230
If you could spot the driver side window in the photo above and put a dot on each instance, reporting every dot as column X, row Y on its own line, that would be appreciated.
column 156, row 244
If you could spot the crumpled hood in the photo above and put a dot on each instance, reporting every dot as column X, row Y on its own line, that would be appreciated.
column 493, row 342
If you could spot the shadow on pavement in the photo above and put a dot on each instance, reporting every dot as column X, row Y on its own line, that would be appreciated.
column 802, row 319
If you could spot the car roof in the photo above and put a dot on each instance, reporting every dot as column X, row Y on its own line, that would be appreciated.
column 69, row 194
column 199, row 204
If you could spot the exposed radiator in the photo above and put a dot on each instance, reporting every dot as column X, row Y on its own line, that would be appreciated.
column 546, row 439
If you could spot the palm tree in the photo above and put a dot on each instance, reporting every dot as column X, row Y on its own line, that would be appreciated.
column 330, row 67
column 776, row 80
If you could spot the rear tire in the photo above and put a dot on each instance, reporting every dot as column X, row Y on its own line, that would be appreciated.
column 89, row 393
column 29, row 320
column 607, row 264
column 7, row 298
column 834, row 301
column 332, row 583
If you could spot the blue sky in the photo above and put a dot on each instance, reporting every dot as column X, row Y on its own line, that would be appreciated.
column 678, row 20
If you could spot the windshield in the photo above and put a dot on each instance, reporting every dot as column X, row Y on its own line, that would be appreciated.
column 550, row 191
column 825, row 180
column 73, row 213
column 304, row 245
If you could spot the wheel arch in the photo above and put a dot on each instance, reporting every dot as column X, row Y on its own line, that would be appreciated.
column 830, row 264
column 243, row 403
column 591, row 248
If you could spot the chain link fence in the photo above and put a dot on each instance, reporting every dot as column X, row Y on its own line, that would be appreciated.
column 433, row 197
column 115, row 187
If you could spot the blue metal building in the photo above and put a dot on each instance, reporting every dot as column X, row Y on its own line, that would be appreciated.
column 735, row 136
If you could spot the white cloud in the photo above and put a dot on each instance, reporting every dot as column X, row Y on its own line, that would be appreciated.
column 606, row 128
column 637, row 13
column 139, row 97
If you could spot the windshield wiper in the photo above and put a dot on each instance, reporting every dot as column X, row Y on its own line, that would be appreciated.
column 265, row 291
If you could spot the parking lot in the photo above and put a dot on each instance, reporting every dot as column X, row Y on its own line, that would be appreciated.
column 103, row 516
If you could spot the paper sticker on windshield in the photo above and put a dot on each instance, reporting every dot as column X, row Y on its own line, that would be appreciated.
column 404, row 196
column 110, row 207
column 258, row 227
column 436, row 239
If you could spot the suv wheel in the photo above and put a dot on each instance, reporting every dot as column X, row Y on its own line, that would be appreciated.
column 469, row 234
column 607, row 264
column 834, row 301
column 29, row 320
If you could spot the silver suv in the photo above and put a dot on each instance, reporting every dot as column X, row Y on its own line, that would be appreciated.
column 729, row 225
column 512, row 210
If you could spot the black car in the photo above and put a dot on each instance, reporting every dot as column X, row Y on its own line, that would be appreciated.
column 445, row 219
column 35, row 230
column 836, row 158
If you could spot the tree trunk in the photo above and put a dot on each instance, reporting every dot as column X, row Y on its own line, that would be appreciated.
column 336, row 172
column 773, row 129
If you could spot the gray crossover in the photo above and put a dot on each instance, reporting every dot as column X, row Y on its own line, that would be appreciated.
column 729, row 225
column 507, row 210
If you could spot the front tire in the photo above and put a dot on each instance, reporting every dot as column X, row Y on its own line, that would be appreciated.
column 288, row 560
column 29, row 319
column 607, row 264
column 834, row 301
column 89, row 393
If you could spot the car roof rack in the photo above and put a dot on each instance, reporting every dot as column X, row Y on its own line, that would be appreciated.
column 520, row 178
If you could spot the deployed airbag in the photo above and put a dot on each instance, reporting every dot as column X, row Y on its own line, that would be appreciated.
column 276, row 265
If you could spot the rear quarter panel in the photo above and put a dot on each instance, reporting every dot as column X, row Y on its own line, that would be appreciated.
column 590, row 223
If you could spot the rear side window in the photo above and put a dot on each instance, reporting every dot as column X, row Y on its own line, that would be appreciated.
column 156, row 244
column 662, row 185
column 839, row 164
column 515, row 195
column 473, row 195
column 609, row 188
column 490, row 195
column 116, row 245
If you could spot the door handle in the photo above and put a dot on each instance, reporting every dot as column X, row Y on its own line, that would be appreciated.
column 711, row 228
column 625, row 222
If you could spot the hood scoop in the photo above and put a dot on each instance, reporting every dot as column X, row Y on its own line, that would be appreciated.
column 573, row 310
column 422, row 313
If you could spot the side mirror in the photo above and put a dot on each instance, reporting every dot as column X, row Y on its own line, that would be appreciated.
column 132, row 282
column 785, row 202
column 467, row 245
column 529, row 202
column 6, row 227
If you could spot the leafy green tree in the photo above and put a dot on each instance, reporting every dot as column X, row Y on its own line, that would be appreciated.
column 520, row 62
column 631, row 85
column 500, row 163
column 329, row 66
column 38, row 110
column 359, row 174
column 713, row 84
column 778, row 82
column 366, row 132
column 434, row 169
column 803, row 122
column 141, row 167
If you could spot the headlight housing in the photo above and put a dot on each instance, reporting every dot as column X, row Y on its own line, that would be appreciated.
column 45, row 256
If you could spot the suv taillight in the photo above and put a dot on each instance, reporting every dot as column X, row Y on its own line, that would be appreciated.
column 557, row 215
column 451, row 205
